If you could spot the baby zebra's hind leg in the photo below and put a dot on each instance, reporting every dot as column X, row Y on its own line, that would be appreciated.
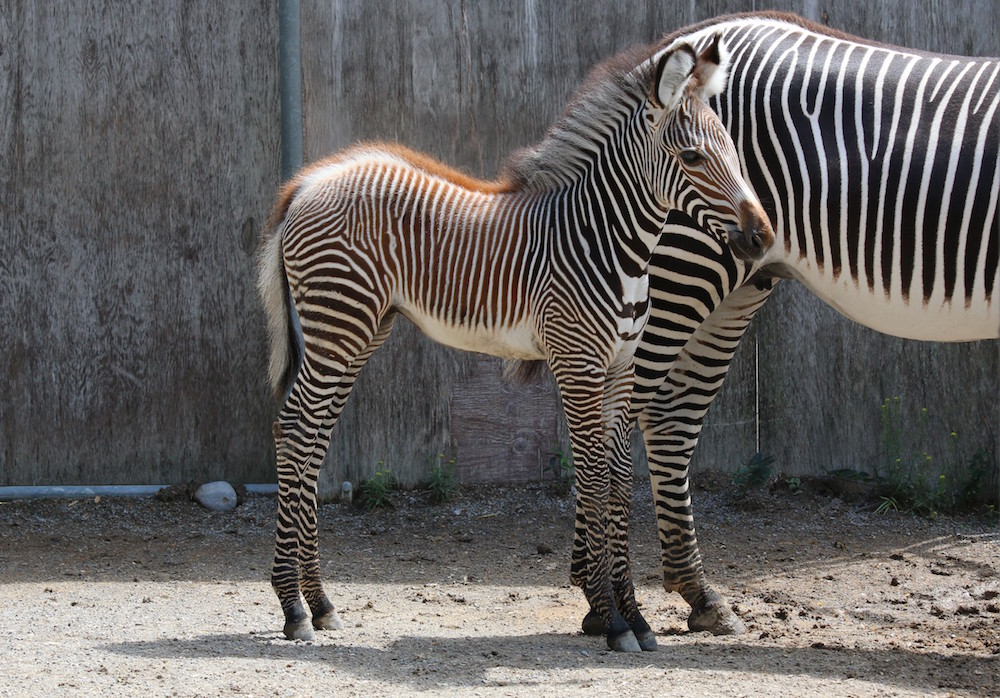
column 324, row 616
column 302, row 433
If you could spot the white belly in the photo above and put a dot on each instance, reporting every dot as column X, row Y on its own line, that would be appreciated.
column 518, row 342
column 935, row 321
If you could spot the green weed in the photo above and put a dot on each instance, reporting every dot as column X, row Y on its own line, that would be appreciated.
column 442, row 484
column 376, row 492
column 754, row 474
column 915, row 481
column 560, row 465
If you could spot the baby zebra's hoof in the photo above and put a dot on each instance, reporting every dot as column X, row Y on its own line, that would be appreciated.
column 329, row 621
column 624, row 642
column 593, row 625
column 644, row 635
column 299, row 630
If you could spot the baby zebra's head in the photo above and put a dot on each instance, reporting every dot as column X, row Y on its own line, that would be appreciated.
column 694, row 166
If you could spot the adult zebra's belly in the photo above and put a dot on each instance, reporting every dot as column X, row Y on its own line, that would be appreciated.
column 936, row 320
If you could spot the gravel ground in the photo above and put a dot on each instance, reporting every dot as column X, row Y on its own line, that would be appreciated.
column 140, row 597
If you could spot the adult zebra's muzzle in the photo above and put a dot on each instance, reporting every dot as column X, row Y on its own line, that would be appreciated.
column 754, row 236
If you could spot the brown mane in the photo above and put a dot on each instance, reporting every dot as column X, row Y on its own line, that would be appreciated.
column 438, row 169
column 420, row 161
column 614, row 85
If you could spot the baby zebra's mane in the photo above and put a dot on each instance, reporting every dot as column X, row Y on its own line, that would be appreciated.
column 613, row 89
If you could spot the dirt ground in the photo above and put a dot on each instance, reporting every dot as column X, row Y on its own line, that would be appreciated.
column 143, row 597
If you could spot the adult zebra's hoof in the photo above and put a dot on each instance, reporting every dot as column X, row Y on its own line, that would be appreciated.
column 328, row 621
column 715, row 617
column 624, row 642
column 299, row 630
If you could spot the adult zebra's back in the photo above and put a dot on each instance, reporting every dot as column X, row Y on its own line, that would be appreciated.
column 879, row 169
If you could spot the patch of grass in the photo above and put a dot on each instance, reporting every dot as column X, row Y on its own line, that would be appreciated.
column 442, row 483
column 753, row 474
column 915, row 481
column 560, row 465
column 376, row 492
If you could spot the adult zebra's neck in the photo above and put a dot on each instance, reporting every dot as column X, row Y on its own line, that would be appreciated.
column 879, row 167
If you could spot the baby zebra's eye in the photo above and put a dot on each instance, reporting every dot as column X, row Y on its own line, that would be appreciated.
column 690, row 156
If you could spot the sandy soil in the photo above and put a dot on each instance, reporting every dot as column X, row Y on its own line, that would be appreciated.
column 143, row 597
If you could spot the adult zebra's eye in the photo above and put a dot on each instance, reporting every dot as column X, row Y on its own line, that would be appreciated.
column 691, row 156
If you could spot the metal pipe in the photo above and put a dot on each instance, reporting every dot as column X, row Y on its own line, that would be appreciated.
column 8, row 494
column 290, row 67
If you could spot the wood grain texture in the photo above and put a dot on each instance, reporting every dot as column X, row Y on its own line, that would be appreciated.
column 140, row 152
column 470, row 82
column 467, row 83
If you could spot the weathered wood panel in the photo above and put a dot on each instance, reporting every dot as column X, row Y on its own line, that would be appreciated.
column 467, row 83
column 140, row 154
column 470, row 82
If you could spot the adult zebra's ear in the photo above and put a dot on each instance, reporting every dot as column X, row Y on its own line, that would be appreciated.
column 673, row 73
column 711, row 69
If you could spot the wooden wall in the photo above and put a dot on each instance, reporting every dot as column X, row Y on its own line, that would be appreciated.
column 140, row 150
column 140, row 154
column 468, row 83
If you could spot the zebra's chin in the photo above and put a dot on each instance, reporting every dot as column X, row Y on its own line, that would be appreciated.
column 752, row 239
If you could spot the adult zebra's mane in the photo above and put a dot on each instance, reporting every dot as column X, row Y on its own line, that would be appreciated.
column 613, row 89
column 797, row 21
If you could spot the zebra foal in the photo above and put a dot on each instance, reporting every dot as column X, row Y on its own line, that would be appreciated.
column 547, row 263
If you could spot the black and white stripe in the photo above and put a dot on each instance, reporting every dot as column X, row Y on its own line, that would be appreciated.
column 879, row 168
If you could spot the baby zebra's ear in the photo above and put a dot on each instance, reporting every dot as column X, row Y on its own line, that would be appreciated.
column 711, row 72
column 673, row 73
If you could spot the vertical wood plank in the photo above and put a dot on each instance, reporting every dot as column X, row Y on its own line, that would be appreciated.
column 141, row 154
column 139, row 148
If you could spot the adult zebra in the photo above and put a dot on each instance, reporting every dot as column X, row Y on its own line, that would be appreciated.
column 879, row 169
column 549, row 263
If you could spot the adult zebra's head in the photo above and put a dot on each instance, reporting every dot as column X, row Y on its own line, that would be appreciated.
column 694, row 159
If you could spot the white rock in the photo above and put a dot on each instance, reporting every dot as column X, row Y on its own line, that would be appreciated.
column 216, row 496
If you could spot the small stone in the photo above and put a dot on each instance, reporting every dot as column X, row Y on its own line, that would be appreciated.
column 216, row 496
column 543, row 549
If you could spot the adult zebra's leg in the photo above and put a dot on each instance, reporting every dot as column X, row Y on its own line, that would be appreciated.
column 324, row 615
column 670, row 424
column 581, row 385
